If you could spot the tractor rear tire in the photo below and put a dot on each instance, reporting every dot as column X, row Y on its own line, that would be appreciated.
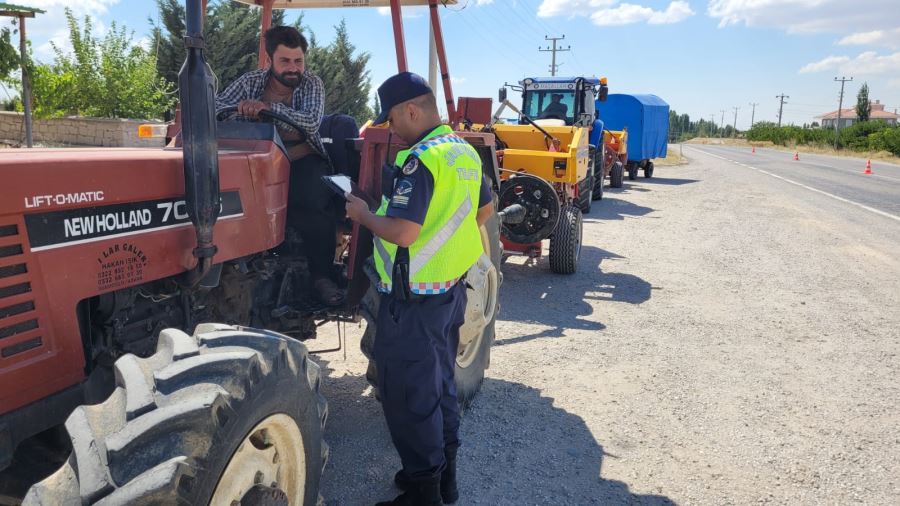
column 477, row 333
column 598, row 156
column 616, row 175
column 181, row 425
column 632, row 171
column 648, row 170
column 565, row 243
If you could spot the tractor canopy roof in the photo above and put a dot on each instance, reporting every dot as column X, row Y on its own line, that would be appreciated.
column 594, row 81
column 311, row 4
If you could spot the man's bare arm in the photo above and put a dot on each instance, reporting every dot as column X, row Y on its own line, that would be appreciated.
column 484, row 213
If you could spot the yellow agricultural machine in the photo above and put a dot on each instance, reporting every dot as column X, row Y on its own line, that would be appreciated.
column 547, row 166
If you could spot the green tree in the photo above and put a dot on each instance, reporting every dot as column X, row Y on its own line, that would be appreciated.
column 9, row 56
column 112, row 77
column 231, row 32
column 347, row 81
column 863, row 108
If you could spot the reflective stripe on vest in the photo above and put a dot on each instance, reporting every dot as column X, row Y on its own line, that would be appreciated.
column 440, row 238
column 385, row 256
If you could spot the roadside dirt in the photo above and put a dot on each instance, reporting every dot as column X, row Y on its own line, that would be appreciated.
column 727, row 340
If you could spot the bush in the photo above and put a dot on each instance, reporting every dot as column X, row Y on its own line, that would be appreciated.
column 856, row 136
column 866, row 135
column 887, row 139
column 112, row 78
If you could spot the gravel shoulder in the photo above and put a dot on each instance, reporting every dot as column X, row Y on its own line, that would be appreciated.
column 729, row 339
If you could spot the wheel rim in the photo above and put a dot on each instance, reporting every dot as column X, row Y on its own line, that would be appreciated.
column 272, row 454
column 480, row 308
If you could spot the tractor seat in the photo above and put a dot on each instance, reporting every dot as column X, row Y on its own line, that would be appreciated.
column 338, row 132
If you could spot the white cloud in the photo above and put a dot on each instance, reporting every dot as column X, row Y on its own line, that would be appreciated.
column 867, row 63
column 889, row 38
column 550, row 8
column 831, row 62
column 625, row 14
column 612, row 13
column 807, row 16
column 458, row 80
column 51, row 26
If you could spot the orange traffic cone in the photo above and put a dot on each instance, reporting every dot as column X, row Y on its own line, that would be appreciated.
column 754, row 150
column 797, row 156
column 868, row 167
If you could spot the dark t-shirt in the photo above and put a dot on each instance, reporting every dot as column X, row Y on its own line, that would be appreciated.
column 413, row 191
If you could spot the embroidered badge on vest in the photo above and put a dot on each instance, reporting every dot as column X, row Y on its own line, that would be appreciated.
column 411, row 166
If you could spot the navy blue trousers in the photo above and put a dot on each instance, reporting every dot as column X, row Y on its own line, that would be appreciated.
column 415, row 352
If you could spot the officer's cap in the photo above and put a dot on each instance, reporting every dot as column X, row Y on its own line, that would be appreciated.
column 398, row 89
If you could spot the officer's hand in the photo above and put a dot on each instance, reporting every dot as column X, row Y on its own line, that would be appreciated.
column 251, row 108
column 356, row 207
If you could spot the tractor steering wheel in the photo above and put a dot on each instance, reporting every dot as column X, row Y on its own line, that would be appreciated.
column 270, row 116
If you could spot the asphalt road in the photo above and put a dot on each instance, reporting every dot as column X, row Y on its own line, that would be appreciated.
column 730, row 338
column 838, row 176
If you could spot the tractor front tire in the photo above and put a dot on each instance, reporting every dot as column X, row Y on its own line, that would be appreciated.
column 616, row 175
column 476, row 336
column 648, row 170
column 565, row 243
column 204, row 420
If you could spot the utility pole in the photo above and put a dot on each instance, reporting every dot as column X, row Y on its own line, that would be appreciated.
column 781, row 106
column 554, row 50
column 837, row 126
column 753, row 113
column 712, row 124
column 722, row 133
column 734, row 133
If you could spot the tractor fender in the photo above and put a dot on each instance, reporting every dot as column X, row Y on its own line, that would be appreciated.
column 596, row 136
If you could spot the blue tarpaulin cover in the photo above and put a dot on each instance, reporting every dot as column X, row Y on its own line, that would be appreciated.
column 645, row 116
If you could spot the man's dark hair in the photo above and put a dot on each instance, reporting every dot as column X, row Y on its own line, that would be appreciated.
column 287, row 36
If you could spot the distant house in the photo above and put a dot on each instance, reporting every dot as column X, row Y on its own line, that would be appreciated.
column 848, row 116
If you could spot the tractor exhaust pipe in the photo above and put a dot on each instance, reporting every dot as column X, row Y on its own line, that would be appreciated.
column 197, row 93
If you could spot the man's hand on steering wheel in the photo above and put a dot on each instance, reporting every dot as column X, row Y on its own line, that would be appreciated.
column 251, row 108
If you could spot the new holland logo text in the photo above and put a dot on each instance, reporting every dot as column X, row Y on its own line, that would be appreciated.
column 72, row 226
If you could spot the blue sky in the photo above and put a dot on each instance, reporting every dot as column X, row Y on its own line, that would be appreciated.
column 700, row 56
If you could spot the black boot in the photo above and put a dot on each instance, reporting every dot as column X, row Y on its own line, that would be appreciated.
column 419, row 492
column 449, row 492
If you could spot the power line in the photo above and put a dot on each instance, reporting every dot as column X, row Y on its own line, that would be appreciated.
column 554, row 50
column 837, row 126
column 781, row 106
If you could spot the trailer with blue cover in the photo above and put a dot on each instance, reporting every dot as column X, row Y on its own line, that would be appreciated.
column 646, row 118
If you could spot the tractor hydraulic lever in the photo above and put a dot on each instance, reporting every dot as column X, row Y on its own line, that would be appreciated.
column 506, row 103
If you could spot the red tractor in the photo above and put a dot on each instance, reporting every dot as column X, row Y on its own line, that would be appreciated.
column 153, row 311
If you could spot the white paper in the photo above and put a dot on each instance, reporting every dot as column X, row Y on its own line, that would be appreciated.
column 342, row 181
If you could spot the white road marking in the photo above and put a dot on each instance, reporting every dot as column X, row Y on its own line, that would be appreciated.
column 810, row 188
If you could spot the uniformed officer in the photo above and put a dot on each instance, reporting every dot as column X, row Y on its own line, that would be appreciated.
column 426, row 239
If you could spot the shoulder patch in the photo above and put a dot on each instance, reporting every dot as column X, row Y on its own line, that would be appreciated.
column 411, row 166
column 402, row 193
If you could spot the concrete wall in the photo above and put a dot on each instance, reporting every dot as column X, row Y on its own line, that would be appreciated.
column 76, row 131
